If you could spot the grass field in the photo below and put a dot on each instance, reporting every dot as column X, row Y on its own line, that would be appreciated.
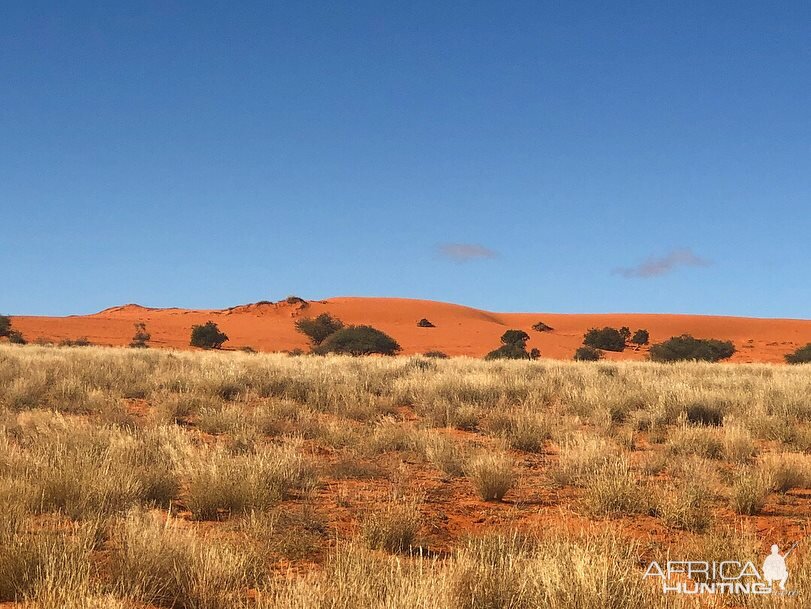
column 144, row 478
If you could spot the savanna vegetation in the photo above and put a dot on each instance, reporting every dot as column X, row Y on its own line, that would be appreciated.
column 143, row 478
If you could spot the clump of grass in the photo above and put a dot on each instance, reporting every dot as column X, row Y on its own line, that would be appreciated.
column 696, row 441
column 33, row 560
column 580, row 457
column 445, row 453
column 750, row 490
column 523, row 429
column 738, row 444
column 612, row 490
column 351, row 466
column 221, row 483
column 787, row 471
column 685, row 505
column 492, row 475
column 292, row 535
column 389, row 435
column 157, row 563
column 392, row 528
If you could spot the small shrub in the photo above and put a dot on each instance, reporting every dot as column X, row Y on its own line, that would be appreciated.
column 800, row 356
column 587, row 354
column 207, row 336
column 513, row 346
column 607, row 339
column 141, row 336
column 317, row 329
column 359, row 340
column 424, row 323
column 704, row 414
column 436, row 354
column 294, row 300
column 5, row 325
column 640, row 337
column 542, row 327
column 625, row 331
column 492, row 475
column 685, row 347
column 82, row 341
column 508, row 352
column 535, row 353
column 15, row 337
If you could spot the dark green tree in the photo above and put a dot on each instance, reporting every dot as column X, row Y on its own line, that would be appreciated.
column 686, row 347
column 640, row 337
column 358, row 340
column 317, row 329
column 5, row 325
column 588, row 354
column 15, row 337
column 607, row 339
column 800, row 356
column 207, row 336
column 141, row 336
column 513, row 346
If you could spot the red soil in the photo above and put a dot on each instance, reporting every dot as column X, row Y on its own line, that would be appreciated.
column 459, row 330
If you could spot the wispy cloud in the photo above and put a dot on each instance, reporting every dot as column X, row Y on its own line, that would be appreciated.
column 465, row 252
column 656, row 267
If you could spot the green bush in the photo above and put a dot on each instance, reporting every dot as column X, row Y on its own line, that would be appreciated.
column 358, row 340
column 82, row 341
column 515, row 337
column 608, row 339
column 141, row 336
column 640, row 337
column 588, row 354
column 800, row 356
column 424, row 323
column 207, row 336
column 319, row 328
column 5, row 325
column 508, row 352
column 685, row 347
column 542, row 327
column 704, row 414
column 513, row 346
column 15, row 337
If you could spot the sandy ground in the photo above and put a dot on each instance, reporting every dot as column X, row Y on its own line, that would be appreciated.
column 459, row 330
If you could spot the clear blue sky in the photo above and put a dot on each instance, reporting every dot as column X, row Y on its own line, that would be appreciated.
column 535, row 156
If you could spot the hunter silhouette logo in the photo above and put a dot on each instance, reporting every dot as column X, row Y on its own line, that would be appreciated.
column 724, row 577
column 774, row 567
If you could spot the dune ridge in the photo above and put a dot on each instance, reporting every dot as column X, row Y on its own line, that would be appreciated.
column 460, row 330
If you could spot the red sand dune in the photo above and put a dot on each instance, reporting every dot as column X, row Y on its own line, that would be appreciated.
column 459, row 330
